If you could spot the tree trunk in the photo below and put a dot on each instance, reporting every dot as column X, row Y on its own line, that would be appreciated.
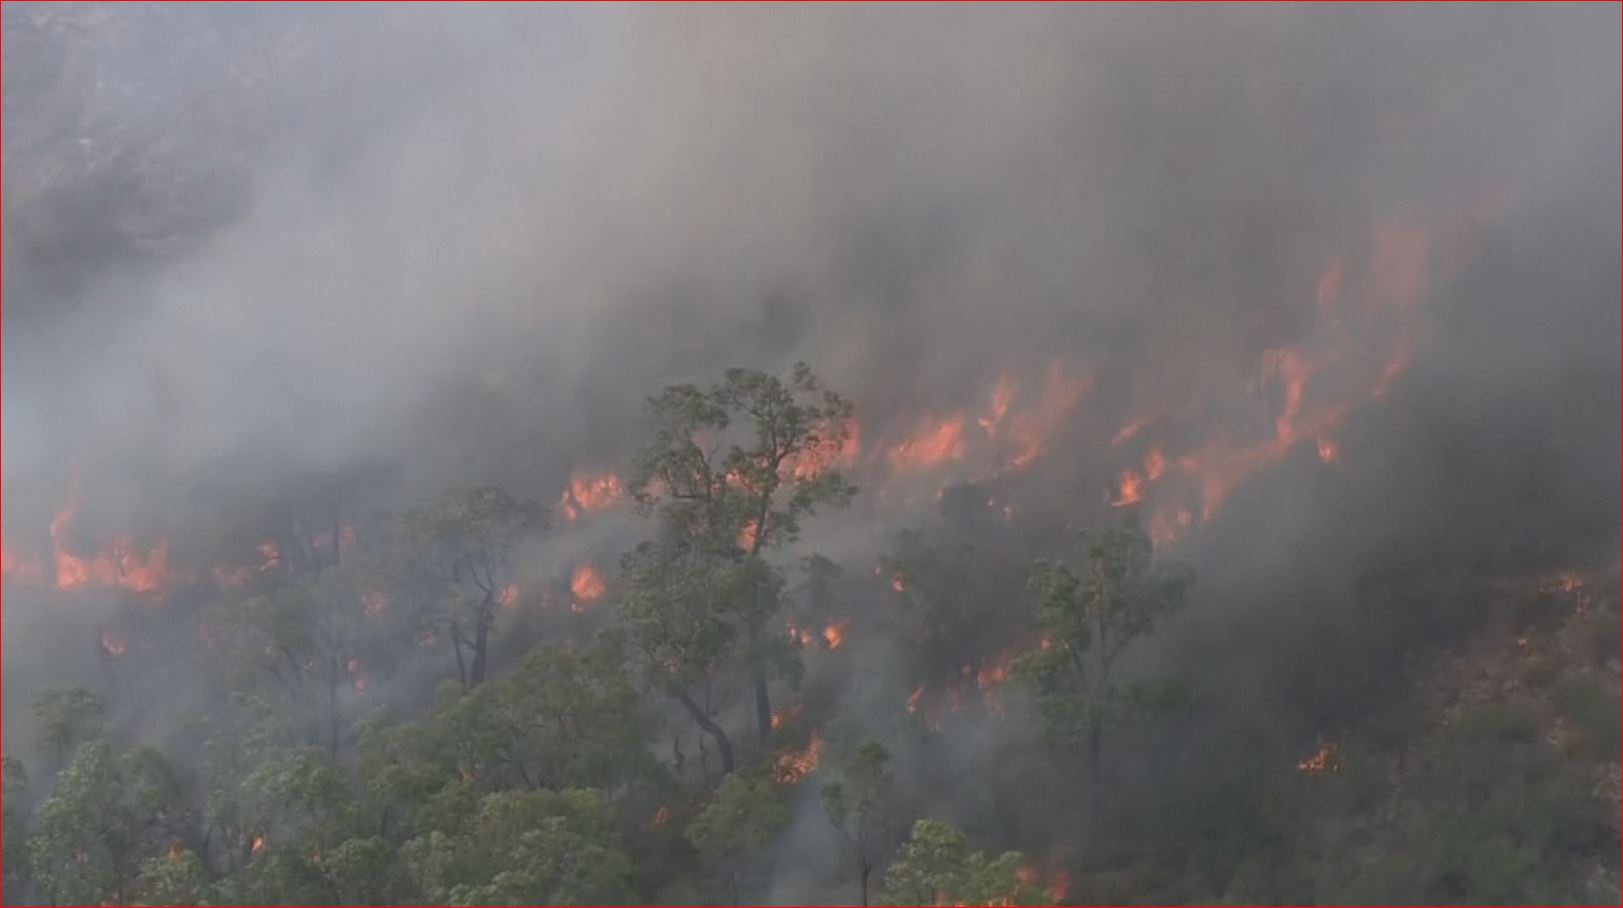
column 481, row 644
column 1095, row 771
column 763, row 705
column 710, row 728
column 332, row 711
column 763, row 701
column 456, row 644
column 863, row 875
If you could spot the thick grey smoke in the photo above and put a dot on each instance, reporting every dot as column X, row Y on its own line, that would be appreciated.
column 246, row 251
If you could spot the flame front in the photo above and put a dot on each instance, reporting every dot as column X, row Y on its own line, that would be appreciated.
column 931, row 445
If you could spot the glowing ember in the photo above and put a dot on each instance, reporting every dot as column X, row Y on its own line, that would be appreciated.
column 834, row 634
column 259, row 844
column 509, row 596
column 794, row 765
column 661, row 817
column 783, row 715
column 586, row 584
column 995, row 674
column 1328, row 451
column 799, row 636
column 897, row 584
column 113, row 644
column 373, row 603
column 1325, row 759
column 914, row 699
column 746, row 537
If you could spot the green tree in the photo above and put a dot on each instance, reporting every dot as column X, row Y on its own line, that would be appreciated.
column 305, row 641
column 567, row 718
column 175, row 878
column 297, row 801
column 1087, row 622
column 732, row 470
column 14, row 834
column 953, row 616
column 524, row 848
column 937, row 867
column 365, row 871
column 106, row 809
column 859, row 807
column 67, row 716
column 743, row 818
column 682, row 614
column 467, row 540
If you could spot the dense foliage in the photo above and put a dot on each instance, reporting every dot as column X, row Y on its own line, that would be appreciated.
column 544, row 776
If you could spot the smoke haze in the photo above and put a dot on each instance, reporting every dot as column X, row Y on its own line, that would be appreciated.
column 248, row 255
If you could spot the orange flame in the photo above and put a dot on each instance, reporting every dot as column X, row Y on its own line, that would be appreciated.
column 259, row 844
column 509, row 596
column 1328, row 451
column 1326, row 759
column 834, row 634
column 1155, row 464
column 123, row 566
column 588, row 493
column 783, row 715
column 1060, row 885
column 270, row 557
column 794, row 765
column 828, row 454
column 746, row 536
column 1128, row 432
column 1132, row 489
column 661, row 817
column 931, row 445
column 1031, row 429
column 587, row 585
column 1002, row 396
column 799, row 636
